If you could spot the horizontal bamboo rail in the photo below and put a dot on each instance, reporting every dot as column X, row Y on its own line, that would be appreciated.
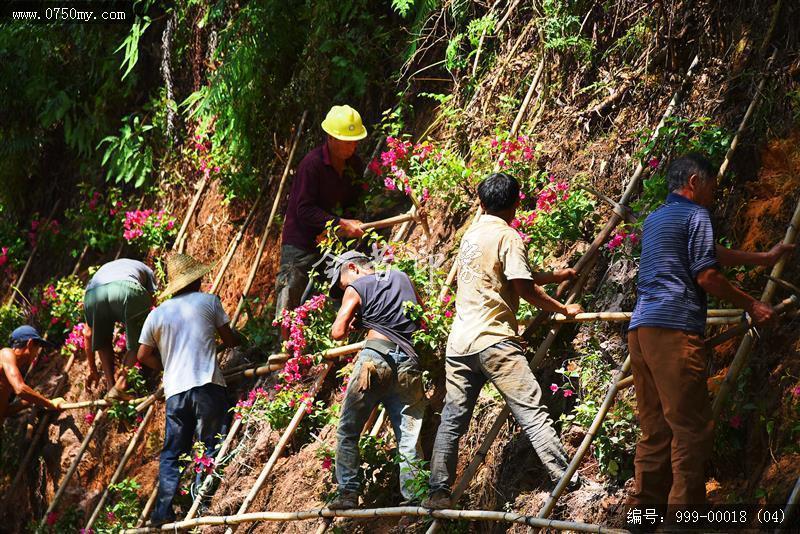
column 413, row 511
column 389, row 222
column 728, row 316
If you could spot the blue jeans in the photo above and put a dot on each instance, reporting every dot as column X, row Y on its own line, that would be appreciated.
column 201, row 411
column 375, row 380
column 505, row 365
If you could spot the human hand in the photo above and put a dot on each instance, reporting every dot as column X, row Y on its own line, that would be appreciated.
column 350, row 228
column 778, row 251
column 761, row 312
column 57, row 402
column 571, row 310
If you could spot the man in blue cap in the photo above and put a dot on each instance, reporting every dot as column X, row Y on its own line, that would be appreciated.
column 25, row 346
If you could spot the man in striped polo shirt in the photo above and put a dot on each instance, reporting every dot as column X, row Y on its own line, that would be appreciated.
column 680, row 263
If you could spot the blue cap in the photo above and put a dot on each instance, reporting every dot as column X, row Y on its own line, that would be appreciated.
column 24, row 333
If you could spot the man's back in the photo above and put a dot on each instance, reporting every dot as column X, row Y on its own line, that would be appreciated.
column 491, row 254
column 124, row 269
column 184, row 331
column 677, row 244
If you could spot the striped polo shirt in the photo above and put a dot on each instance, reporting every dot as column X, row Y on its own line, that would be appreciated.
column 677, row 244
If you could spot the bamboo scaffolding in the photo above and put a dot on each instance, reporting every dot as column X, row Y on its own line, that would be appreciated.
column 728, row 316
column 618, row 382
column 300, row 413
column 389, row 222
column 72, row 467
column 179, row 242
column 265, row 235
column 44, row 422
column 791, row 504
column 413, row 511
column 148, row 506
column 80, row 260
column 746, row 345
column 121, row 466
column 18, row 283
column 583, row 266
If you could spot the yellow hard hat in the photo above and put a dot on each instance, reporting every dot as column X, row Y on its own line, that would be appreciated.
column 344, row 123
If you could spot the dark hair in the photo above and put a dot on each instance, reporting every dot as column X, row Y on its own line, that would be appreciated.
column 498, row 192
column 194, row 287
column 682, row 168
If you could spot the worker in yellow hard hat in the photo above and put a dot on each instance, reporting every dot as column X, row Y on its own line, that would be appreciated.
column 323, row 190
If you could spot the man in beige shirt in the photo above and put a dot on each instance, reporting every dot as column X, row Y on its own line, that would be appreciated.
column 483, row 344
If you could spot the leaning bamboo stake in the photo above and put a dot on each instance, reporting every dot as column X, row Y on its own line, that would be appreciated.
column 281, row 445
column 148, row 507
column 583, row 266
column 235, row 243
column 44, row 423
column 80, row 260
column 72, row 467
column 746, row 345
column 791, row 504
column 179, row 242
column 121, row 466
column 254, row 269
column 24, row 273
column 414, row 511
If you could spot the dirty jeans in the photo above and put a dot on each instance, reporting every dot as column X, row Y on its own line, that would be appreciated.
column 504, row 364
column 292, row 277
column 669, row 373
column 405, row 406
column 200, row 411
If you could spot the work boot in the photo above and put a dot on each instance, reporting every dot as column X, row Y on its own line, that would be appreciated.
column 344, row 501
column 438, row 500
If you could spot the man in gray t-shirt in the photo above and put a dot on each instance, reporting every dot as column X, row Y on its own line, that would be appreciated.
column 183, row 330
column 120, row 291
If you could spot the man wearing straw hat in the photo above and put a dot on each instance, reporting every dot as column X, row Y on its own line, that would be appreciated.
column 322, row 190
column 121, row 290
column 183, row 330
column 25, row 346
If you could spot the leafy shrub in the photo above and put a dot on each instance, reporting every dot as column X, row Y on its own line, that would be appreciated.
column 123, row 511
column 96, row 220
column 128, row 155
column 11, row 316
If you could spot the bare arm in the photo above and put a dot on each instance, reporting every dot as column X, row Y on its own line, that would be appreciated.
column 714, row 283
column 554, row 277
column 147, row 356
column 229, row 338
column 730, row 257
column 17, row 382
column 537, row 296
column 351, row 302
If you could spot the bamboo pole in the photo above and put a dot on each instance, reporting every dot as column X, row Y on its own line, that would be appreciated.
column 100, row 403
column 148, row 507
column 728, row 316
column 179, row 242
column 389, row 222
column 254, row 269
column 44, row 422
column 791, row 504
column 583, row 266
column 236, row 242
column 413, row 511
column 300, row 413
column 72, row 466
column 746, row 345
column 24, row 273
column 80, row 260
column 121, row 466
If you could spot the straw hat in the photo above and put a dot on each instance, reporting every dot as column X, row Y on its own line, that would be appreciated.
column 182, row 270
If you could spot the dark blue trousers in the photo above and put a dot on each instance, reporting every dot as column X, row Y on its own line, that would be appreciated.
column 202, row 412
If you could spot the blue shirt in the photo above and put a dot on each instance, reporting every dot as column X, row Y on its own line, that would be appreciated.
column 677, row 244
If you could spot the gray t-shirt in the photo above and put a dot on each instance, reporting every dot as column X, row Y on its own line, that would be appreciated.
column 183, row 329
column 124, row 269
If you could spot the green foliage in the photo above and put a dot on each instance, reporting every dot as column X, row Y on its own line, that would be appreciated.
column 97, row 219
column 57, row 306
column 11, row 316
column 130, row 45
column 123, row 511
column 418, row 485
column 615, row 443
column 457, row 54
column 378, row 472
column 123, row 411
column 67, row 521
column 562, row 29
column 13, row 246
column 128, row 156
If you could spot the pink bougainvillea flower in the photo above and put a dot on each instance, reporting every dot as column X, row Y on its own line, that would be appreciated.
column 51, row 518
column 448, row 313
column 111, row 517
column 653, row 163
column 735, row 422
column 796, row 391
column 88, row 418
column 446, row 299
column 568, row 392
column 389, row 184
column 375, row 167
column 327, row 462
column 553, row 388
column 425, row 195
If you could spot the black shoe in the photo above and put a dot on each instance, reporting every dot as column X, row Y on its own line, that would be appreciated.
column 344, row 501
column 438, row 500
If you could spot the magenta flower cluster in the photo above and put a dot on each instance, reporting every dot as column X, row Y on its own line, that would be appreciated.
column 136, row 222
column 295, row 322
column 393, row 164
column 509, row 151
column 618, row 239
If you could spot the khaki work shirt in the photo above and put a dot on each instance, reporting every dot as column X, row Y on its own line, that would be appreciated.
column 490, row 256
